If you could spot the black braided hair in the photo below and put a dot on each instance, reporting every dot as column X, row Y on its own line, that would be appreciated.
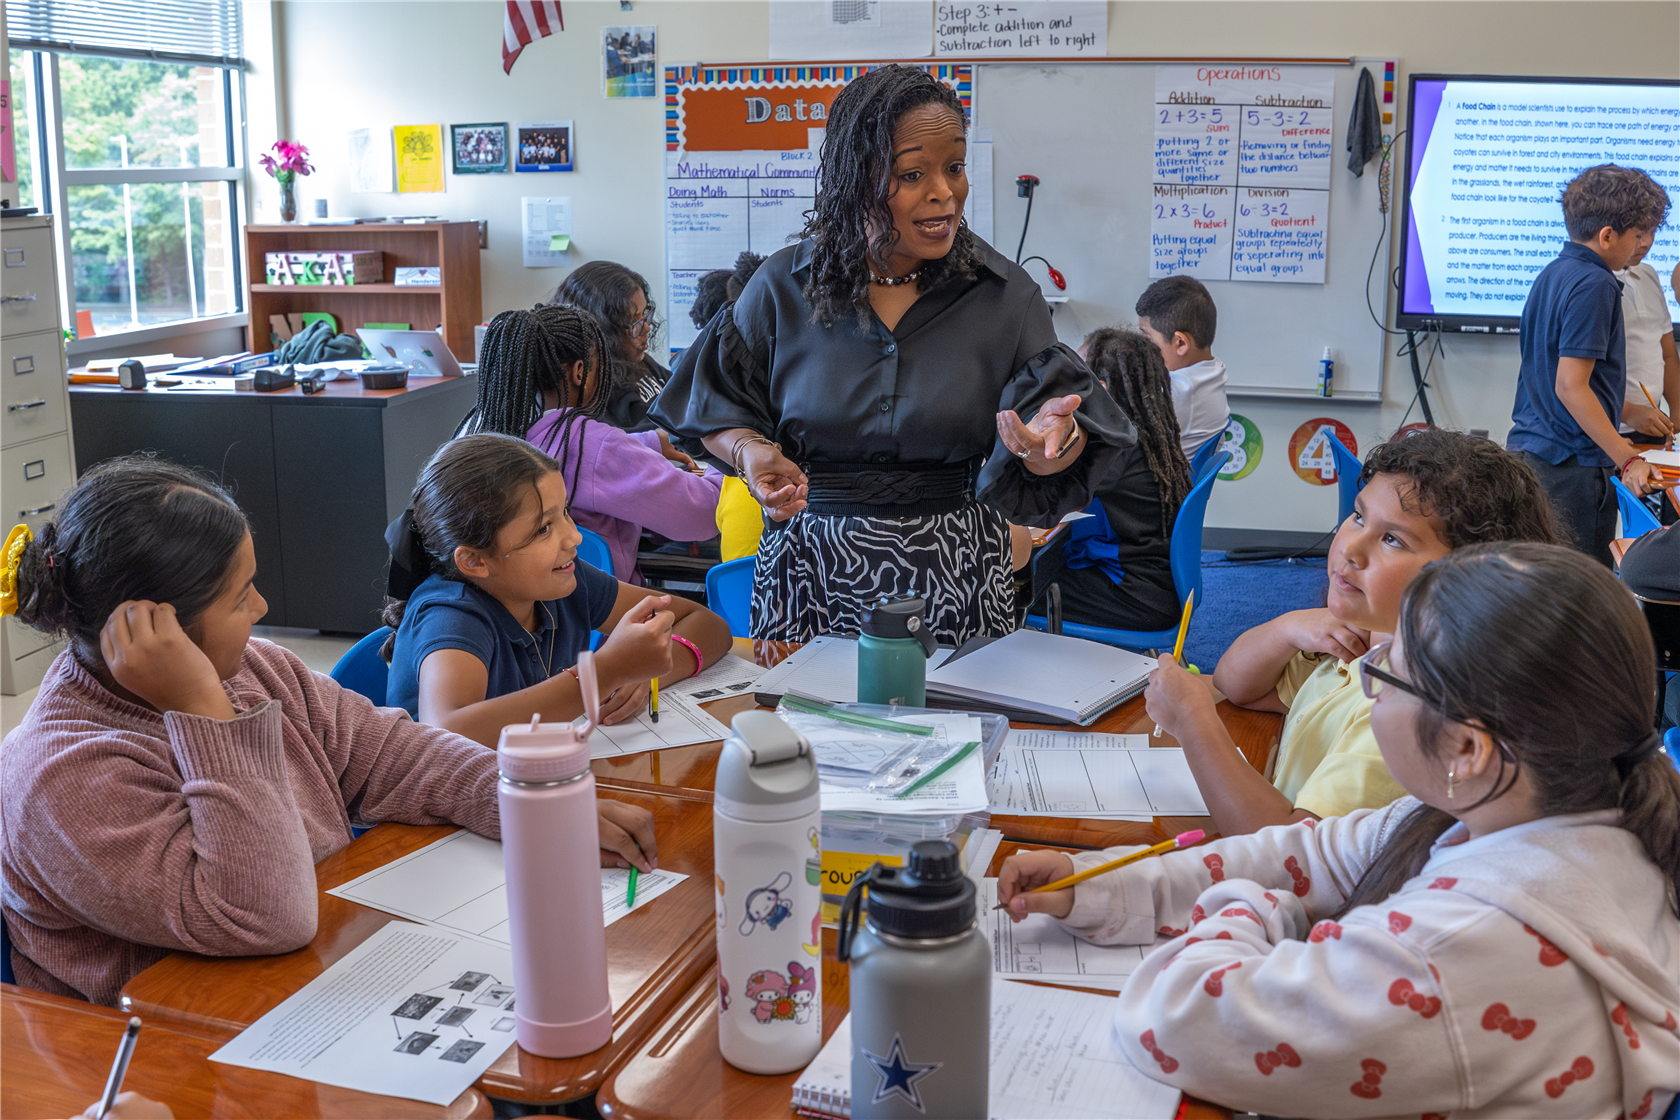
column 854, row 184
column 1131, row 368
column 525, row 354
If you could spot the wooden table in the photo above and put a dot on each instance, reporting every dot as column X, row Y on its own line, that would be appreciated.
column 55, row 1054
column 654, row 955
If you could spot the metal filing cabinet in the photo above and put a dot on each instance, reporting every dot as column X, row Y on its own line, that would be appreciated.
column 37, row 460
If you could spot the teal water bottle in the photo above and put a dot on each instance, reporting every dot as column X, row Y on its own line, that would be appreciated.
column 893, row 653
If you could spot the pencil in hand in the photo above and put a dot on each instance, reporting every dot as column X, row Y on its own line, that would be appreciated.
column 1182, row 840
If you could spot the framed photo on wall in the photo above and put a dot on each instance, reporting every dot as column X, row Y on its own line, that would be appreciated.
column 543, row 146
column 479, row 149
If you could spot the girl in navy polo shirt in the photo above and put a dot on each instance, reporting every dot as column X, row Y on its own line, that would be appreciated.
column 491, row 604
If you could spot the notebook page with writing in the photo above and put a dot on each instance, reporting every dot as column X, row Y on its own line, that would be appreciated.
column 1055, row 1056
column 1045, row 671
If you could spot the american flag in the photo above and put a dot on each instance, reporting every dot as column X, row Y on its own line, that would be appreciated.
column 523, row 23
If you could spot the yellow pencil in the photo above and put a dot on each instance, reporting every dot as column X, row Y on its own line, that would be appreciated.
column 1183, row 628
column 653, row 705
column 1182, row 840
column 1643, row 388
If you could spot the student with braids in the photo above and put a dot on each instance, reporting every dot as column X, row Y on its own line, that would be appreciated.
column 176, row 780
column 1119, row 560
column 622, row 304
column 1502, row 942
column 891, row 388
column 491, row 605
column 544, row 375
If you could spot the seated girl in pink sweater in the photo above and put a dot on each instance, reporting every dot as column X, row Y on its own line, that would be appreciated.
column 176, row 780
column 546, row 376
column 1503, row 942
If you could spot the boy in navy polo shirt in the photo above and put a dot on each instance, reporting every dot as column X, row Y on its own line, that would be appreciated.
column 1574, row 371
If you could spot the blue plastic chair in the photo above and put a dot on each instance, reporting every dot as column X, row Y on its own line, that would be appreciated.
column 729, row 593
column 1637, row 518
column 1671, row 747
column 1348, row 467
column 6, row 976
column 1186, row 559
column 1203, row 456
column 362, row 670
column 594, row 551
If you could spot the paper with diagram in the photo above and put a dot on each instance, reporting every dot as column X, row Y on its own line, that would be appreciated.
column 1038, row 948
column 682, row 722
column 1085, row 774
column 729, row 676
column 458, row 885
column 411, row 1012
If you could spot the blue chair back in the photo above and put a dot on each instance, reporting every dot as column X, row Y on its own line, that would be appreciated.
column 729, row 593
column 594, row 551
column 1185, row 551
column 1348, row 467
column 1671, row 743
column 362, row 670
column 1637, row 518
column 1203, row 456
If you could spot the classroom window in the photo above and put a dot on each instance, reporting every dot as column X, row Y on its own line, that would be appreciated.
column 134, row 141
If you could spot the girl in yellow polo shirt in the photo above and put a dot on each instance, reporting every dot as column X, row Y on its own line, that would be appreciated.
column 1424, row 495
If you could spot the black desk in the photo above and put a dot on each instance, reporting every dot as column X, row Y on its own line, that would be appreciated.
column 318, row 476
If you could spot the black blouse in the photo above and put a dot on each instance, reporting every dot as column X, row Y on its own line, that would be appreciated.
column 926, row 392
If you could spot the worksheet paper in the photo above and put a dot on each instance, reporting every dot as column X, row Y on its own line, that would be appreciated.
column 458, row 885
column 682, row 722
column 729, row 676
column 962, row 789
column 1055, row 1055
column 544, row 222
column 1242, row 172
column 1085, row 774
column 825, row 668
column 411, row 1012
column 1038, row 948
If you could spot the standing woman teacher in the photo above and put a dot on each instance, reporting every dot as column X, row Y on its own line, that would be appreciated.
column 871, row 381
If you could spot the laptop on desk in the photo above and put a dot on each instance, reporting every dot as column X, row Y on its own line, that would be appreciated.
column 423, row 352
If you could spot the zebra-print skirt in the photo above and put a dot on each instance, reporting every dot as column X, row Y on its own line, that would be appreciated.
column 815, row 574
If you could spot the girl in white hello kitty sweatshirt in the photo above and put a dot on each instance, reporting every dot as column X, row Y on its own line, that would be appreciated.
column 1502, row 944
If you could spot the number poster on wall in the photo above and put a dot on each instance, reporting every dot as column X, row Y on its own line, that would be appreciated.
column 1242, row 172
column 741, row 147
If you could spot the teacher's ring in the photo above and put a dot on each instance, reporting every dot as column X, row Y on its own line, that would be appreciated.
column 1027, row 454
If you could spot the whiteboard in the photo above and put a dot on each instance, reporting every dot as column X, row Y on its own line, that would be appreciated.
column 1087, row 131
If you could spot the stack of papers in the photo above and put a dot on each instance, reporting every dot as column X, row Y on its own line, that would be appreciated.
column 729, row 676
column 1063, row 678
column 1084, row 774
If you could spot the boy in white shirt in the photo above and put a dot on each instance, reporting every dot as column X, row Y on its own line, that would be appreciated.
column 1177, row 314
column 1652, row 361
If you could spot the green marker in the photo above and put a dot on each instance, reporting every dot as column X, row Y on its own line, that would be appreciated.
column 630, row 896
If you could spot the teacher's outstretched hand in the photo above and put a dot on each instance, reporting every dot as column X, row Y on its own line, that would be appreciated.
column 1051, row 443
column 774, row 479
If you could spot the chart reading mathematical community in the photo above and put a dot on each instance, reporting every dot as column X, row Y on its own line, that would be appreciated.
column 1242, row 172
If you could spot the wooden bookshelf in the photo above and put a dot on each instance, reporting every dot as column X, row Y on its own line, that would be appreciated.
column 456, row 305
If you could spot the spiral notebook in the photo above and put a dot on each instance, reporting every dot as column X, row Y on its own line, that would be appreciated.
column 1050, row 675
column 1054, row 1055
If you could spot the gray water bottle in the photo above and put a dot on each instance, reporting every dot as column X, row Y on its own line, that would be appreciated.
column 921, row 984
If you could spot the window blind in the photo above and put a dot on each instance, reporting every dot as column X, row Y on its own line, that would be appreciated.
column 202, row 31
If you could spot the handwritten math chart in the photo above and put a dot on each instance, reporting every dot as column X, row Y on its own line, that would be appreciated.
column 1242, row 172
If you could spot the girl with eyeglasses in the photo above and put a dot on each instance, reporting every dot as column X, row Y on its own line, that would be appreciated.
column 622, row 305
column 1504, row 941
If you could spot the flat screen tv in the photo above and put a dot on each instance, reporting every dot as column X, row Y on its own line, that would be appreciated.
column 1487, row 158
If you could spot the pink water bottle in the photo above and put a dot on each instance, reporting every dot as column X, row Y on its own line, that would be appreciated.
column 551, row 852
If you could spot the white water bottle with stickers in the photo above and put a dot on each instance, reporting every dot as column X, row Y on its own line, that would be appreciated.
column 766, row 835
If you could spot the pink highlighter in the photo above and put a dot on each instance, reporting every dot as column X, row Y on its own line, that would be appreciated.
column 551, row 852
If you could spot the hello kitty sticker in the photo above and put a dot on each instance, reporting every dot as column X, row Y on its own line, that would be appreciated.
column 787, row 999
column 766, row 906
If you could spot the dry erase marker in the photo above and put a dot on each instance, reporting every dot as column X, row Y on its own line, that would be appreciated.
column 1182, row 840
column 630, row 895
column 119, row 1068
column 653, row 704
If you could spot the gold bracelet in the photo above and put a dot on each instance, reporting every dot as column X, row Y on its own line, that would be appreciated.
column 748, row 441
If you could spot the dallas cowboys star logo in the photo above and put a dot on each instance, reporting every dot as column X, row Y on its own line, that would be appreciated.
column 899, row 1075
